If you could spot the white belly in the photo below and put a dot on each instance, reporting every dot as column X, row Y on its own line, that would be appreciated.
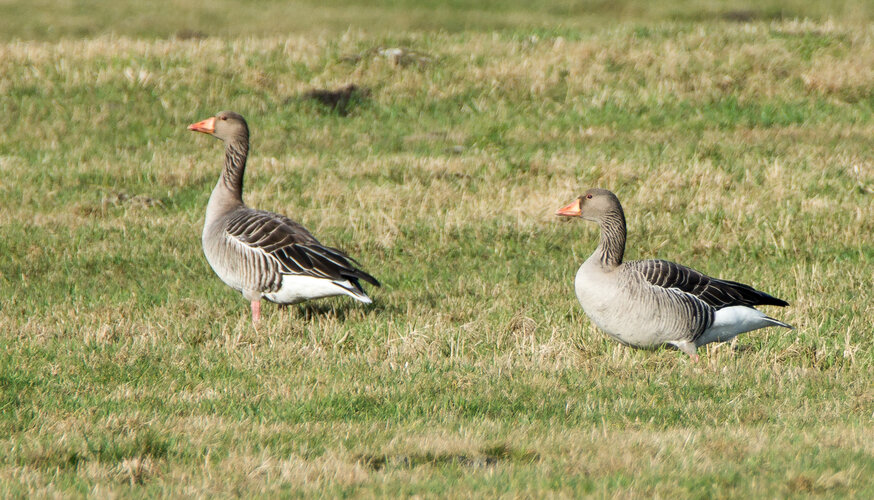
column 297, row 289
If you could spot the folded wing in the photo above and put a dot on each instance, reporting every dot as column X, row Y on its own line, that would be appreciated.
column 293, row 247
column 714, row 292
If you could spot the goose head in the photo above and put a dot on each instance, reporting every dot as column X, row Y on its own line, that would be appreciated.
column 226, row 126
column 594, row 205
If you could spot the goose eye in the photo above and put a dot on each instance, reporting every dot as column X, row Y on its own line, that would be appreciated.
column 588, row 197
column 224, row 117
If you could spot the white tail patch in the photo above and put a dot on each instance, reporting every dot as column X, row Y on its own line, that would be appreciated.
column 730, row 322
column 296, row 289
column 362, row 298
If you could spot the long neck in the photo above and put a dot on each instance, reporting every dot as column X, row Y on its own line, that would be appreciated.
column 236, row 151
column 611, row 248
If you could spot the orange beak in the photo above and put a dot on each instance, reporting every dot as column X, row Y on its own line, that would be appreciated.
column 206, row 126
column 572, row 210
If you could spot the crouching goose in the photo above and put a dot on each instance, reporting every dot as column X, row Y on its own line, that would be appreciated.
column 262, row 254
column 648, row 303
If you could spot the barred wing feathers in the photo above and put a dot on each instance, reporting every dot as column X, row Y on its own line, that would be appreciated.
column 714, row 292
column 296, row 250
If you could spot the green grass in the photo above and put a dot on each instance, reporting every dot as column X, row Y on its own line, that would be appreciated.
column 742, row 149
column 53, row 20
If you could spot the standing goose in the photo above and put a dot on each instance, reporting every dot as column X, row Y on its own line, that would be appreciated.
column 647, row 303
column 263, row 254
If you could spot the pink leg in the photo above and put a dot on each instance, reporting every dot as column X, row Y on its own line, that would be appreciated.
column 256, row 311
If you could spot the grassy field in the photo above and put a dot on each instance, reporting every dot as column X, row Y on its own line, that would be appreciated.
column 743, row 149
column 64, row 19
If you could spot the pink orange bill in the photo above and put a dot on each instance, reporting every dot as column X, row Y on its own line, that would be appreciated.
column 206, row 126
column 572, row 210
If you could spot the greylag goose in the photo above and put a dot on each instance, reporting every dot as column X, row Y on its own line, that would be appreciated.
column 647, row 303
column 262, row 254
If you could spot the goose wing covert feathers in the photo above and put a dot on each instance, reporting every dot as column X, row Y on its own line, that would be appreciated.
column 714, row 292
column 293, row 247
